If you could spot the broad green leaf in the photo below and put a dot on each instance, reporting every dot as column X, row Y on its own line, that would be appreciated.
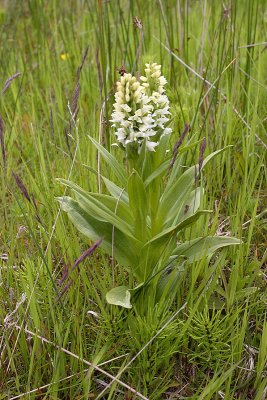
column 169, row 281
column 158, row 171
column 126, row 249
column 119, row 296
column 138, row 204
column 95, row 207
column 176, row 168
column 116, row 167
column 115, row 205
column 198, row 248
column 92, row 206
column 86, row 224
column 136, row 192
column 173, row 230
column 116, row 191
column 119, row 208
column 91, row 169
column 190, row 206
column 172, row 199
column 161, row 246
column 113, row 189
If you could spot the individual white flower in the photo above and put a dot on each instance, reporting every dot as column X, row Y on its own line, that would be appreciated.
column 151, row 145
column 167, row 131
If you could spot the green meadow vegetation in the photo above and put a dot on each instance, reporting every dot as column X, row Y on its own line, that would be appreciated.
column 153, row 299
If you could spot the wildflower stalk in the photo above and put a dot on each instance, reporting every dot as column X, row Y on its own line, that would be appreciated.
column 141, row 220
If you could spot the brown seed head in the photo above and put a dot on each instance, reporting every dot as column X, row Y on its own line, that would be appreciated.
column 138, row 23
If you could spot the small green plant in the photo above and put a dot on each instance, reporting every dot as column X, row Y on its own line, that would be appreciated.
column 211, row 331
column 154, row 199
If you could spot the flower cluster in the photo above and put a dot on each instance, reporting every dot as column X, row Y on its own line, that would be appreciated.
column 141, row 109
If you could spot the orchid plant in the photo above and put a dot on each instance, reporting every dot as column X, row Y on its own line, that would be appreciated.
column 153, row 200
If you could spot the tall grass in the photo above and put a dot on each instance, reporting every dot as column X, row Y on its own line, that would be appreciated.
column 213, row 54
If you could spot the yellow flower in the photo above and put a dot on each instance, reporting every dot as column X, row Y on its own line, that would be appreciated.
column 64, row 56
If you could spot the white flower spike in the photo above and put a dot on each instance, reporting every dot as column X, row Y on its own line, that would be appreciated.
column 141, row 110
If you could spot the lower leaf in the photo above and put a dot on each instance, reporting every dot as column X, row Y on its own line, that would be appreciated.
column 119, row 296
